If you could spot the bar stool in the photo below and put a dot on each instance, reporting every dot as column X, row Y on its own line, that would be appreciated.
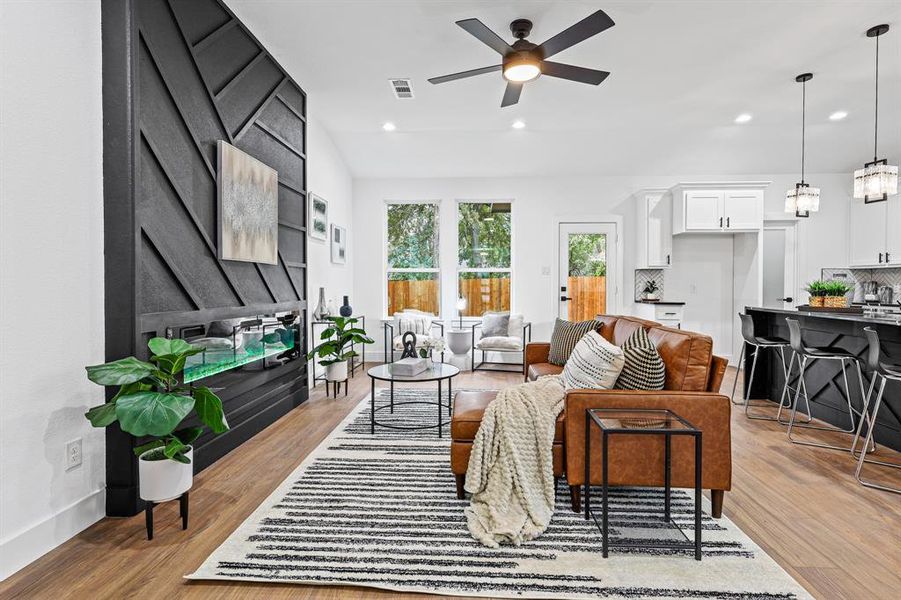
column 880, row 371
column 759, row 344
column 811, row 353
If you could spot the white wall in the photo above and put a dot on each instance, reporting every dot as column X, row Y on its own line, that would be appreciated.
column 330, row 179
column 51, row 273
column 703, row 271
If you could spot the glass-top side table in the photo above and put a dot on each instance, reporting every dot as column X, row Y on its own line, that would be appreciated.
column 656, row 422
column 435, row 372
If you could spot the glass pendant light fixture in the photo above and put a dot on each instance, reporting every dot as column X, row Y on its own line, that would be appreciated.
column 877, row 180
column 803, row 199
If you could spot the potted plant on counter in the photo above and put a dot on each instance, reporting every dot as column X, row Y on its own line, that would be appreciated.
column 333, row 352
column 650, row 290
column 817, row 291
column 152, row 402
column 836, row 294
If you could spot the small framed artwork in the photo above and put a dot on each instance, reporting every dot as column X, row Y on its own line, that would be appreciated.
column 339, row 244
column 318, row 221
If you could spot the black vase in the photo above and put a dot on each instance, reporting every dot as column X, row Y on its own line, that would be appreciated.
column 345, row 309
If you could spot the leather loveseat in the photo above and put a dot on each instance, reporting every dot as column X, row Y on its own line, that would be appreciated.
column 693, row 378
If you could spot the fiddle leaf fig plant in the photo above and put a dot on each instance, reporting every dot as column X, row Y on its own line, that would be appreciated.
column 338, row 336
column 152, row 401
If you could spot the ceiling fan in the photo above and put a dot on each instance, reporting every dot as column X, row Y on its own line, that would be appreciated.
column 524, row 61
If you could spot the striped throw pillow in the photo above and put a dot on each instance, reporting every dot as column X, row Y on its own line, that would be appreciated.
column 565, row 337
column 644, row 369
column 594, row 364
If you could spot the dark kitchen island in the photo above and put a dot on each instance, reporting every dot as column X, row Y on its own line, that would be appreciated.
column 824, row 377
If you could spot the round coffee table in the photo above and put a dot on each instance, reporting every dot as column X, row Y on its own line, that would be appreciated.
column 436, row 372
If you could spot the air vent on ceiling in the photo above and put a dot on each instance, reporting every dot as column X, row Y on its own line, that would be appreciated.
column 403, row 88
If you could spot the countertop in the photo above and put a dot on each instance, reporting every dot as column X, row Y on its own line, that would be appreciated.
column 661, row 302
column 860, row 318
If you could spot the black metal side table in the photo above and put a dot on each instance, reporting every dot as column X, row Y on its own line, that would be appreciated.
column 612, row 421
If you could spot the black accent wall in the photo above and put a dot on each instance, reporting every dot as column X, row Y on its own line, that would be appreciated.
column 178, row 75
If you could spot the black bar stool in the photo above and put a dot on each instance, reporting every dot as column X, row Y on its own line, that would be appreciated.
column 759, row 344
column 811, row 353
column 884, row 372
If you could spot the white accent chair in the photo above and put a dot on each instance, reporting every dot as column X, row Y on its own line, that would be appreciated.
column 424, row 325
column 519, row 333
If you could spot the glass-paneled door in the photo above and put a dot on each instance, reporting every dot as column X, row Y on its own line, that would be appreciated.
column 586, row 285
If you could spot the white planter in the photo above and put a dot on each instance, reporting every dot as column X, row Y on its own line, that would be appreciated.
column 459, row 341
column 336, row 371
column 162, row 480
column 651, row 296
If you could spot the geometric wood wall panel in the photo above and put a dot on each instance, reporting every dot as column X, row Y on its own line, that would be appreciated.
column 179, row 76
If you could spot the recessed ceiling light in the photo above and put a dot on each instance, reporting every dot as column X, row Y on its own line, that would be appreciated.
column 518, row 124
column 743, row 118
column 838, row 115
column 389, row 126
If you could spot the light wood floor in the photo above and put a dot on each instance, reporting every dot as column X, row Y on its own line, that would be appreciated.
column 800, row 504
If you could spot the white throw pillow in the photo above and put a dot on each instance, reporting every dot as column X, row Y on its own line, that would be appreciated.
column 418, row 322
column 515, row 327
column 594, row 364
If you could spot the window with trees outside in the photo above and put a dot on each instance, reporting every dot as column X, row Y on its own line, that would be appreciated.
column 413, row 275
column 484, row 266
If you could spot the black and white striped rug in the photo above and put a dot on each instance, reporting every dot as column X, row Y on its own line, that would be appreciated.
column 381, row 511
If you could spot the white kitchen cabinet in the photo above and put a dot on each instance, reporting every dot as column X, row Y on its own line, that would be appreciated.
column 703, row 210
column 718, row 208
column 893, row 231
column 665, row 313
column 874, row 233
column 743, row 209
column 654, row 230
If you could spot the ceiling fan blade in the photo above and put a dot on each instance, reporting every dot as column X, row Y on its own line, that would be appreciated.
column 464, row 74
column 573, row 73
column 591, row 25
column 485, row 35
column 511, row 94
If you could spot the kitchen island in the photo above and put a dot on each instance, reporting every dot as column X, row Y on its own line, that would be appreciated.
column 824, row 377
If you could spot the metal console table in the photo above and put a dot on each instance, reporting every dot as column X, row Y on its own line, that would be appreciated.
column 613, row 421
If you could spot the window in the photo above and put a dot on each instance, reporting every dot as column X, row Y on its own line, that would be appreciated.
column 483, row 265
column 413, row 276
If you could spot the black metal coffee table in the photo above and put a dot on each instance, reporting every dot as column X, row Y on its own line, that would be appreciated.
column 612, row 421
column 435, row 372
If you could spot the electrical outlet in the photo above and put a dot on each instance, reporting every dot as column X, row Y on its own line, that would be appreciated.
column 73, row 454
column 545, row 270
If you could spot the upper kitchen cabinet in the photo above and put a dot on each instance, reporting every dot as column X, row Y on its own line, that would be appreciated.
column 655, row 230
column 718, row 207
column 875, row 233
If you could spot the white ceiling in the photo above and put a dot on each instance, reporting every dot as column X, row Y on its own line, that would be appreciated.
column 681, row 71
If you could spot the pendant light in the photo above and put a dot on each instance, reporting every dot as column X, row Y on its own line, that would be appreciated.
column 803, row 199
column 877, row 180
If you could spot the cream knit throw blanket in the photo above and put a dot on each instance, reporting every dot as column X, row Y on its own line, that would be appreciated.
column 511, row 470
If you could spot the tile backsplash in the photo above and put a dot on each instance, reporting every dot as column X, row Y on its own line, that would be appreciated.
column 889, row 277
column 642, row 276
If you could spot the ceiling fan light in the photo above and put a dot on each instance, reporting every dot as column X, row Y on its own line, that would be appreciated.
column 876, row 181
column 521, row 70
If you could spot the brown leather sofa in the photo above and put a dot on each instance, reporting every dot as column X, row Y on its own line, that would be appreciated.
column 693, row 378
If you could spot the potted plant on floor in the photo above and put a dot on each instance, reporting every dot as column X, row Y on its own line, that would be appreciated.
column 817, row 291
column 152, row 402
column 333, row 352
